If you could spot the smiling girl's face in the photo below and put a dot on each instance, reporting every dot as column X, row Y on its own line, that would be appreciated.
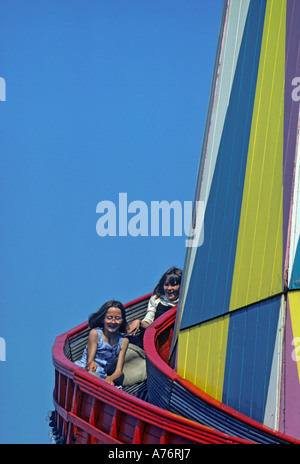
column 113, row 320
column 171, row 289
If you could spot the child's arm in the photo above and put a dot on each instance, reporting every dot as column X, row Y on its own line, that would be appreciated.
column 91, row 365
column 119, row 368
column 148, row 319
column 136, row 325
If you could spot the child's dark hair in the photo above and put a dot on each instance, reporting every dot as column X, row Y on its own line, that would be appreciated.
column 173, row 275
column 97, row 319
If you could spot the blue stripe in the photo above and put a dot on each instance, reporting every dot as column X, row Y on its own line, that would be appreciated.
column 210, row 286
column 250, row 349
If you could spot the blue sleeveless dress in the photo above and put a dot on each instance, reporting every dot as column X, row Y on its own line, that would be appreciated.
column 105, row 356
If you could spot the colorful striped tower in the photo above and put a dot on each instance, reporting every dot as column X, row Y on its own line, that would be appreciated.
column 238, row 320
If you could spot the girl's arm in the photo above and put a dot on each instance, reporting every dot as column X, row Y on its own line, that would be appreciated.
column 119, row 368
column 91, row 365
column 151, row 310
column 135, row 325
column 148, row 319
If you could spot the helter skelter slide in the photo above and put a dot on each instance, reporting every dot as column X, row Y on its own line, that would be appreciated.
column 223, row 366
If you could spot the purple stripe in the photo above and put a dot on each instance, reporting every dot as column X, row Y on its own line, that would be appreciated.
column 291, row 110
column 290, row 387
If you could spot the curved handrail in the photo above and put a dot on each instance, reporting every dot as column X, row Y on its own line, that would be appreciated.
column 253, row 428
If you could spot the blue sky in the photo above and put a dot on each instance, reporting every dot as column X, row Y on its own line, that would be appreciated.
column 102, row 97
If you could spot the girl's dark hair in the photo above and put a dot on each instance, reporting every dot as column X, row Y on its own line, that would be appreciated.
column 173, row 275
column 97, row 319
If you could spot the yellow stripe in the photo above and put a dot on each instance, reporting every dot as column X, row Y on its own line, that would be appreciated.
column 258, row 264
column 202, row 355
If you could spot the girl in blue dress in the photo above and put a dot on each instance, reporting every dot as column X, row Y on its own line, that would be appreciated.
column 106, row 348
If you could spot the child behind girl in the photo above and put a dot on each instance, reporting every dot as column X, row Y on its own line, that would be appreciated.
column 106, row 348
column 164, row 296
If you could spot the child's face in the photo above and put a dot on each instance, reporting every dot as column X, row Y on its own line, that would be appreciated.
column 113, row 319
column 171, row 291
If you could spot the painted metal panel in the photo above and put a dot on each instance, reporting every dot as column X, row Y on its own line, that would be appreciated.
column 249, row 177
column 294, row 282
column 272, row 408
column 258, row 264
column 202, row 352
column 291, row 129
column 290, row 404
column 250, row 350
column 293, row 251
column 231, row 42
column 210, row 284
column 294, row 299
column 195, row 408
column 187, row 400
column 230, row 39
column 243, row 371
